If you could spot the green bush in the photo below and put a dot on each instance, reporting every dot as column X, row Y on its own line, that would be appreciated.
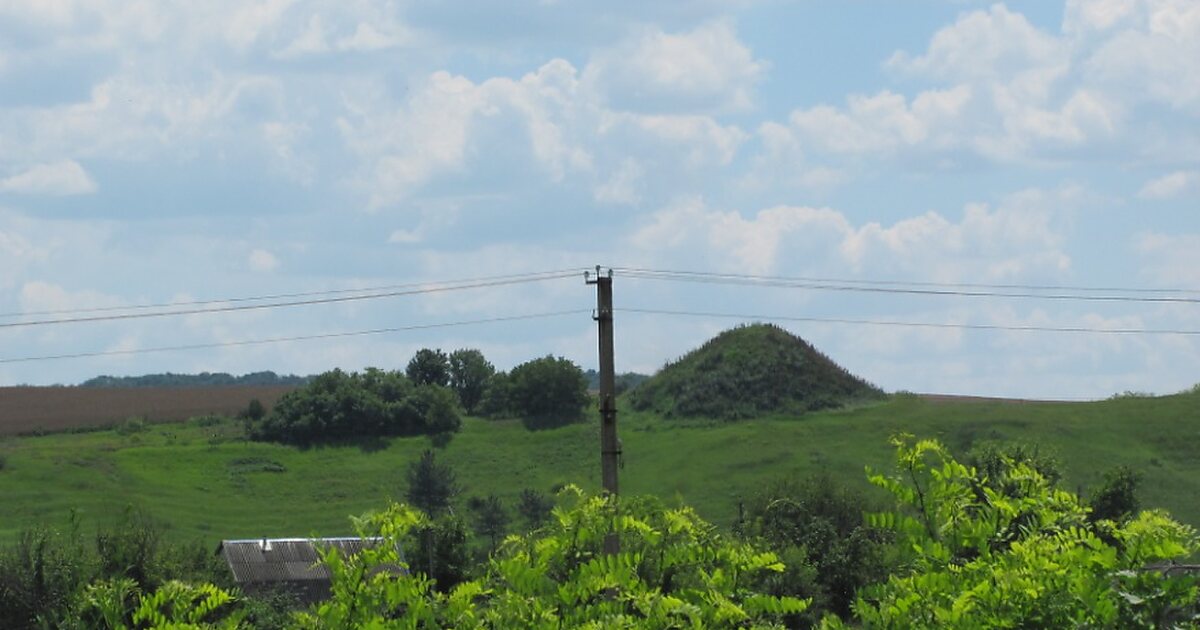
column 347, row 407
column 674, row 570
column 1025, row 556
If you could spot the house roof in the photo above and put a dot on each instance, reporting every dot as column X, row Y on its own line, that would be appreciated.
column 284, row 559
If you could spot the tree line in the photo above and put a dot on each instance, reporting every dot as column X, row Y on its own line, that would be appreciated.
column 427, row 398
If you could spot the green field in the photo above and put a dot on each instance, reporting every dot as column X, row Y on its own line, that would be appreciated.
column 206, row 481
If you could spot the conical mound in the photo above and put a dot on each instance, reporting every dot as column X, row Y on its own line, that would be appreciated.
column 747, row 372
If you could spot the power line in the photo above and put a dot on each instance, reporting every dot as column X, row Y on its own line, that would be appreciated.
column 306, row 302
column 282, row 296
column 875, row 322
column 252, row 342
column 875, row 287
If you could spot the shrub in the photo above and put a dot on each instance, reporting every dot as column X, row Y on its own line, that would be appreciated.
column 131, row 426
column 674, row 570
column 341, row 407
column 547, row 392
column 977, row 557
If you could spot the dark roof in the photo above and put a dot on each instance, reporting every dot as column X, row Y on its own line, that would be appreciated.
column 266, row 560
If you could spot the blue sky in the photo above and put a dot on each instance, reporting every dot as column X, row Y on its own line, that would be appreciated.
column 157, row 152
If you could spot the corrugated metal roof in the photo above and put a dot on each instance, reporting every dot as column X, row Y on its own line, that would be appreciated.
column 284, row 559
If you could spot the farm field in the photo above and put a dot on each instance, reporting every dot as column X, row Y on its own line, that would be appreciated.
column 32, row 409
column 202, row 479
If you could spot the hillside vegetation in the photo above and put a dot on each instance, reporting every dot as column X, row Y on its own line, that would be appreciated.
column 208, row 480
column 747, row 372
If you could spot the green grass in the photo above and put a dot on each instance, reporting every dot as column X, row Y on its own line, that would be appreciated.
column 205, row 481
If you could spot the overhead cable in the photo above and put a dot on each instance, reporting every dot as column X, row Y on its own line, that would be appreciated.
column 333, row 335
column 876, row 322
column 825, row 285
column 423, row 289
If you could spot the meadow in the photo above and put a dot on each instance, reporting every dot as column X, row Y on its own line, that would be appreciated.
column 201, row 478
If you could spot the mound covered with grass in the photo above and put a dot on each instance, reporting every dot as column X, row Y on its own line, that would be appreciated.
column 747, row 372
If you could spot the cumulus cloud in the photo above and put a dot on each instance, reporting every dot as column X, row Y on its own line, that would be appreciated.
column 1170, row 185
column 993, row 43
column 262, row 261
column 705, row 69
column 57, row 178
column 1017, row 238
column 1170, row 259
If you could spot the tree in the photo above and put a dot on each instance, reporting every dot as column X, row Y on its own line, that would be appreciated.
column 469, row 374
column 491, row 519
column 431, row 486
column 496, row 401
column 440, row 550
column 534, row 507
column 548, row 392
column 674, row 571
column 980, row 557
column 817, row 526
column 337, row 406
column 1116, row 499
column 429, row 367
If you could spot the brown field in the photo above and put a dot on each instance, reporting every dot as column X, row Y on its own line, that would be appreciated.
column 32, row 409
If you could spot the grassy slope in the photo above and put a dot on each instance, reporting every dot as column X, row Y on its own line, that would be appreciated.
column 186, row 474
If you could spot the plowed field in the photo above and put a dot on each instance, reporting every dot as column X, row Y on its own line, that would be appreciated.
column 30, row 409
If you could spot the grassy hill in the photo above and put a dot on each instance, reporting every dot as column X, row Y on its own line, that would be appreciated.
column 747, row 372
column 204, row 480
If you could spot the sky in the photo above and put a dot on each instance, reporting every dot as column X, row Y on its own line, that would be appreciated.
column 158, row 152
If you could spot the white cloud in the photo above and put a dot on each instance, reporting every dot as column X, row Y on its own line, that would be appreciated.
column 262, row 261
column 706, row 69
column 40, row 296
column 621, row 188
column 996, row 43
column 58, row 178
column 1170, row 259
column 1019, row 238
column 1170, row 185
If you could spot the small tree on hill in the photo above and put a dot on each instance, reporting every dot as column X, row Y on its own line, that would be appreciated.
column 429, row 367
column 469, row 374
column 548, row 391
column 431, row 486
column 491, row 519
column 534, row 507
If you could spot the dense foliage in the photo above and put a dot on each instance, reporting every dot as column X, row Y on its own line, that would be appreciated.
column 469, row 376
column 338, row 406
column 817, row 528
column 203, row 379
column 429, row 367
column 748, row 372
column 1015, row 551
column 431, row 485
column 53, row 578
column 546, row 392
column 673, row 570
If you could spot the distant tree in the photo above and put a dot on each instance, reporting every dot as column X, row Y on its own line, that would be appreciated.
column 469, row 374
column 440, row 550
column 548, row 391
column 437, row 406
column 534, row 507
column 496, row 401
column 429, row 367
column 254, row 411
column 491, row 519
column 431, row 486
column 1116, row 499
column 339, row 406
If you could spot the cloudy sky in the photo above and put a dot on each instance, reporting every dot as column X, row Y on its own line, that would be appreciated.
column 155, row 152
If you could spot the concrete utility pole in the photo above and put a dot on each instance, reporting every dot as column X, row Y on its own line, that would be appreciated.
column 610, row 447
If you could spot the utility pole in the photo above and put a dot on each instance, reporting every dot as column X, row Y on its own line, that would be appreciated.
column 610, row 447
